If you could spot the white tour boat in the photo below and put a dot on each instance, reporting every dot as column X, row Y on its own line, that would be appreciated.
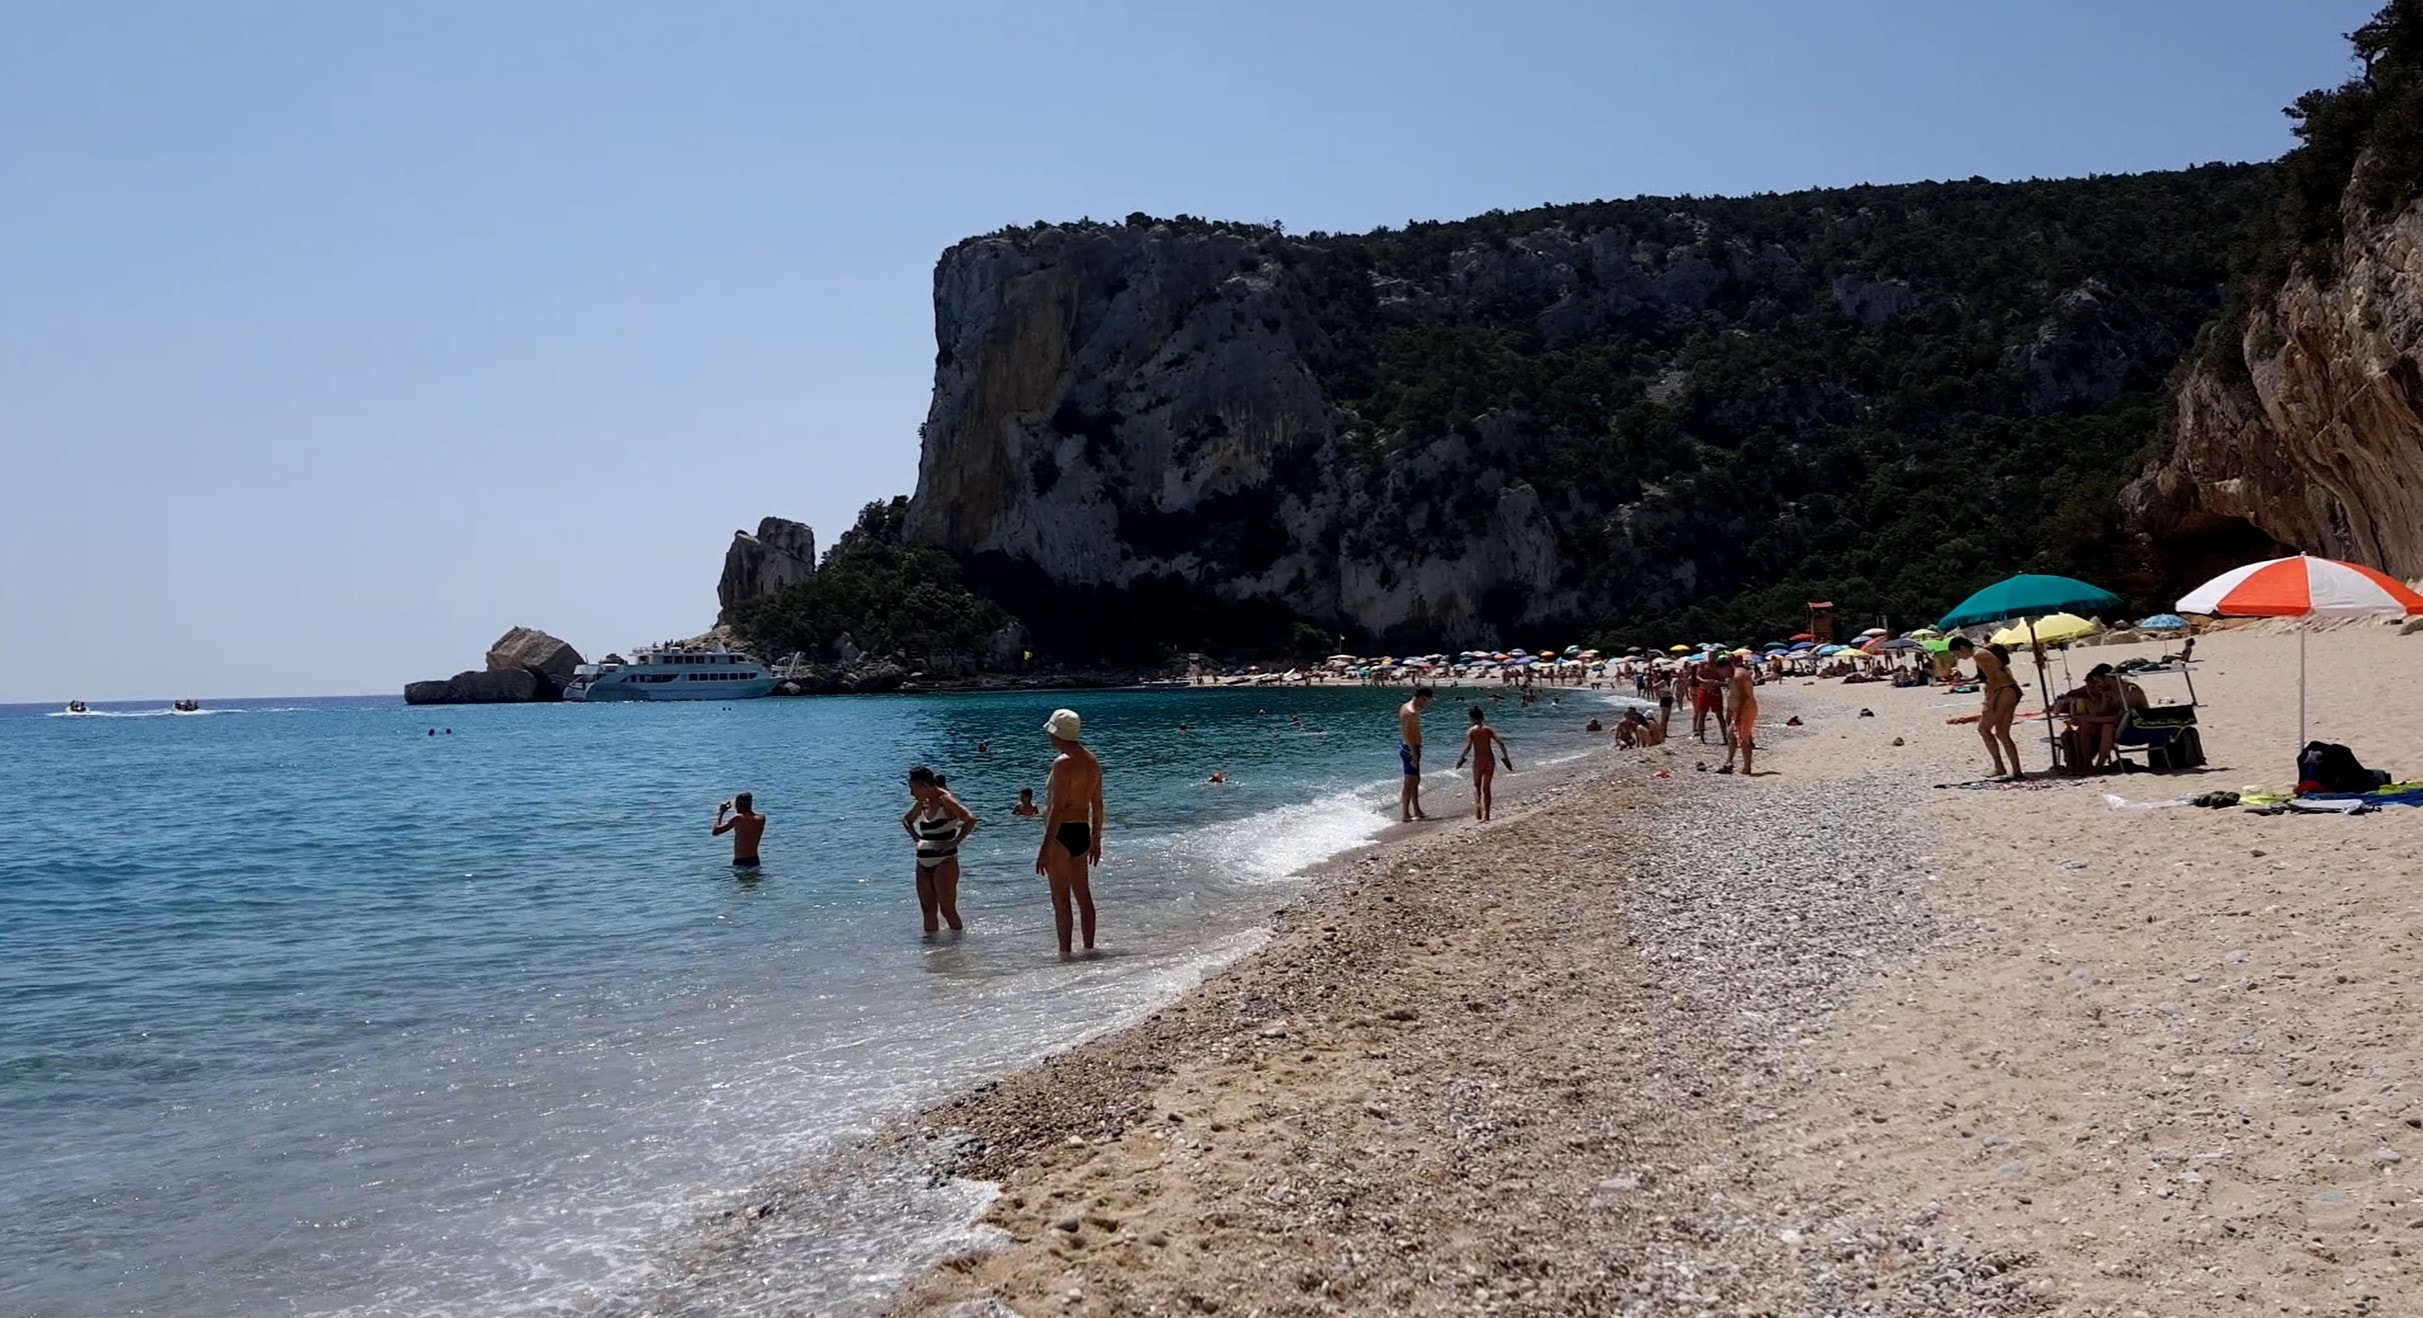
column 666, row 673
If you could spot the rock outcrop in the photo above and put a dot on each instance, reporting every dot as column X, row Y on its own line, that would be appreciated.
column 756, row 567
column 2306, row 433
column 529, row 649
column 524, row 666
column 495, row 686
column 1872, row 301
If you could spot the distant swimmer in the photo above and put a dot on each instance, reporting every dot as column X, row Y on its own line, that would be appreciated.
column 1218, row 777
column 985, row 747
column 1026, row 807
column 1072, row 828
column 939, row 823
column 1409, row 754
column 745, row 825
column 1479, row 741
column 1594, row 726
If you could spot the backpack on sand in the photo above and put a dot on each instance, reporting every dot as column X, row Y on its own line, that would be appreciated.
column 2329, row 767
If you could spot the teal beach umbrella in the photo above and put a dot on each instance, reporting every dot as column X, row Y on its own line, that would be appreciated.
column 2029, row 596
column 2032, row 596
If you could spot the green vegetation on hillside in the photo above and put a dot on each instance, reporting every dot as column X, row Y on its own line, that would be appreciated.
column 889, row 598
column 1782, row 450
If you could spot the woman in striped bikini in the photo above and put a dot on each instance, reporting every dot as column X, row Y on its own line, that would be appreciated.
column 939, row 823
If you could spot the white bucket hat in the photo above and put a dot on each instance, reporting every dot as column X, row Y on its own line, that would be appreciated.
column 1063, row 724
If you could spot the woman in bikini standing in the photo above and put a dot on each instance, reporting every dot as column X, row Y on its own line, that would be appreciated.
column 2001, row 702
column 939, row 823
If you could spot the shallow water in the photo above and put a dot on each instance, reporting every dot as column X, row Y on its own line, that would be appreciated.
column 303, row 1010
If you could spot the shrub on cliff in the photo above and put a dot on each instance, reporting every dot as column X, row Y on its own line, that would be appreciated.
column 2359, row 157
column 890, row 598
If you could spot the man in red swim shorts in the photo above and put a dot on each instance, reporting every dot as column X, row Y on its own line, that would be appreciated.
column 1708, row 702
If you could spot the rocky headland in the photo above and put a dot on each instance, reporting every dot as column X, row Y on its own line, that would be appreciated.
column 1647, row 414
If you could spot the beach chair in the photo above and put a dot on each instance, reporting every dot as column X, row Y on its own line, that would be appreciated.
column 2166, row 735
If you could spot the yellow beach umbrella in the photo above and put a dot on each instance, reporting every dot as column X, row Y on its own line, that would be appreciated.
column 1678, row 649
column 2052, row 629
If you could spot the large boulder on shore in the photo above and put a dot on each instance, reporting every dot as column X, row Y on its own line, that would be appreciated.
column 531, row 650
column 496, row 686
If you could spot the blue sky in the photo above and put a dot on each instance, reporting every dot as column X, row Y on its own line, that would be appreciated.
column 337, row 338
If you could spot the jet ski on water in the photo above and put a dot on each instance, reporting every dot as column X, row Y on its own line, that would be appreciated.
column 187, row 707
column 77, row 707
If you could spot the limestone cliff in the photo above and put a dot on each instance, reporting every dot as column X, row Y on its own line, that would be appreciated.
column 2307, row 432
column 1474, row 431
column 756, row 567
column 2300, row 422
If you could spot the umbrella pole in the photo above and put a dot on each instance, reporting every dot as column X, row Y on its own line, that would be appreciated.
column 2301, row 629
column 2052, row 744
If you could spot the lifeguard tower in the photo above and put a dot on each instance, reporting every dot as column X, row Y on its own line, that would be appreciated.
column 1821, row 621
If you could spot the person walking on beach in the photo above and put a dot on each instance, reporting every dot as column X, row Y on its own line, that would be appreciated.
column 1480, row 740
column 938, row 823
column 1409, row 754
column 2001, row 701
column 1072, row 828
column 745, row 825
column 1740, row 686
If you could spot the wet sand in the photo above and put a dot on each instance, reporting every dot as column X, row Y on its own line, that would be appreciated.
column 1823, row 1040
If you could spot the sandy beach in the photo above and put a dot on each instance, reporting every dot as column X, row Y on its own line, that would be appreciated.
column 1831, row 1039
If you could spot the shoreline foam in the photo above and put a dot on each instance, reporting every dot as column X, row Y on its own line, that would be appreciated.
column 896, row 1170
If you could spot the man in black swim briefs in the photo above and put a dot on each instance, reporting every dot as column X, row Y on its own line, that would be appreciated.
column 1072, row 830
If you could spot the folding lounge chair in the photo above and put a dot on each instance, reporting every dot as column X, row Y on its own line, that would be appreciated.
column 2166, row 734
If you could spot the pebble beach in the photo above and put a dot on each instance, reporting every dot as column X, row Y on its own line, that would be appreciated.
column 1833, row 1039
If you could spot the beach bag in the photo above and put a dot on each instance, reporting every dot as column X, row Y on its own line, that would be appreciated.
column 2325, row 766
column 2183, row 749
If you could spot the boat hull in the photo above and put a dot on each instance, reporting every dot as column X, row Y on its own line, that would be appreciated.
column 750, row 689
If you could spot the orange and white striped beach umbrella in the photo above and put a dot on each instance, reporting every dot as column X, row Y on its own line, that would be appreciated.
column 2302, row 587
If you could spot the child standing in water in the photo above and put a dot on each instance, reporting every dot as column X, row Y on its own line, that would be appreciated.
column 1481, row 740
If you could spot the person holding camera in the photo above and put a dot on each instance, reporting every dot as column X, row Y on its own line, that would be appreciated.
column 744, row 824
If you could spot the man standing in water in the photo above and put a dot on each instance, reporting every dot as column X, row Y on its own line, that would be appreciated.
column 1409, row 754
column 1072, row 828
column 745, row 825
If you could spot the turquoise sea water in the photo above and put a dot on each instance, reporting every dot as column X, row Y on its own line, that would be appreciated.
column 303, row 1010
